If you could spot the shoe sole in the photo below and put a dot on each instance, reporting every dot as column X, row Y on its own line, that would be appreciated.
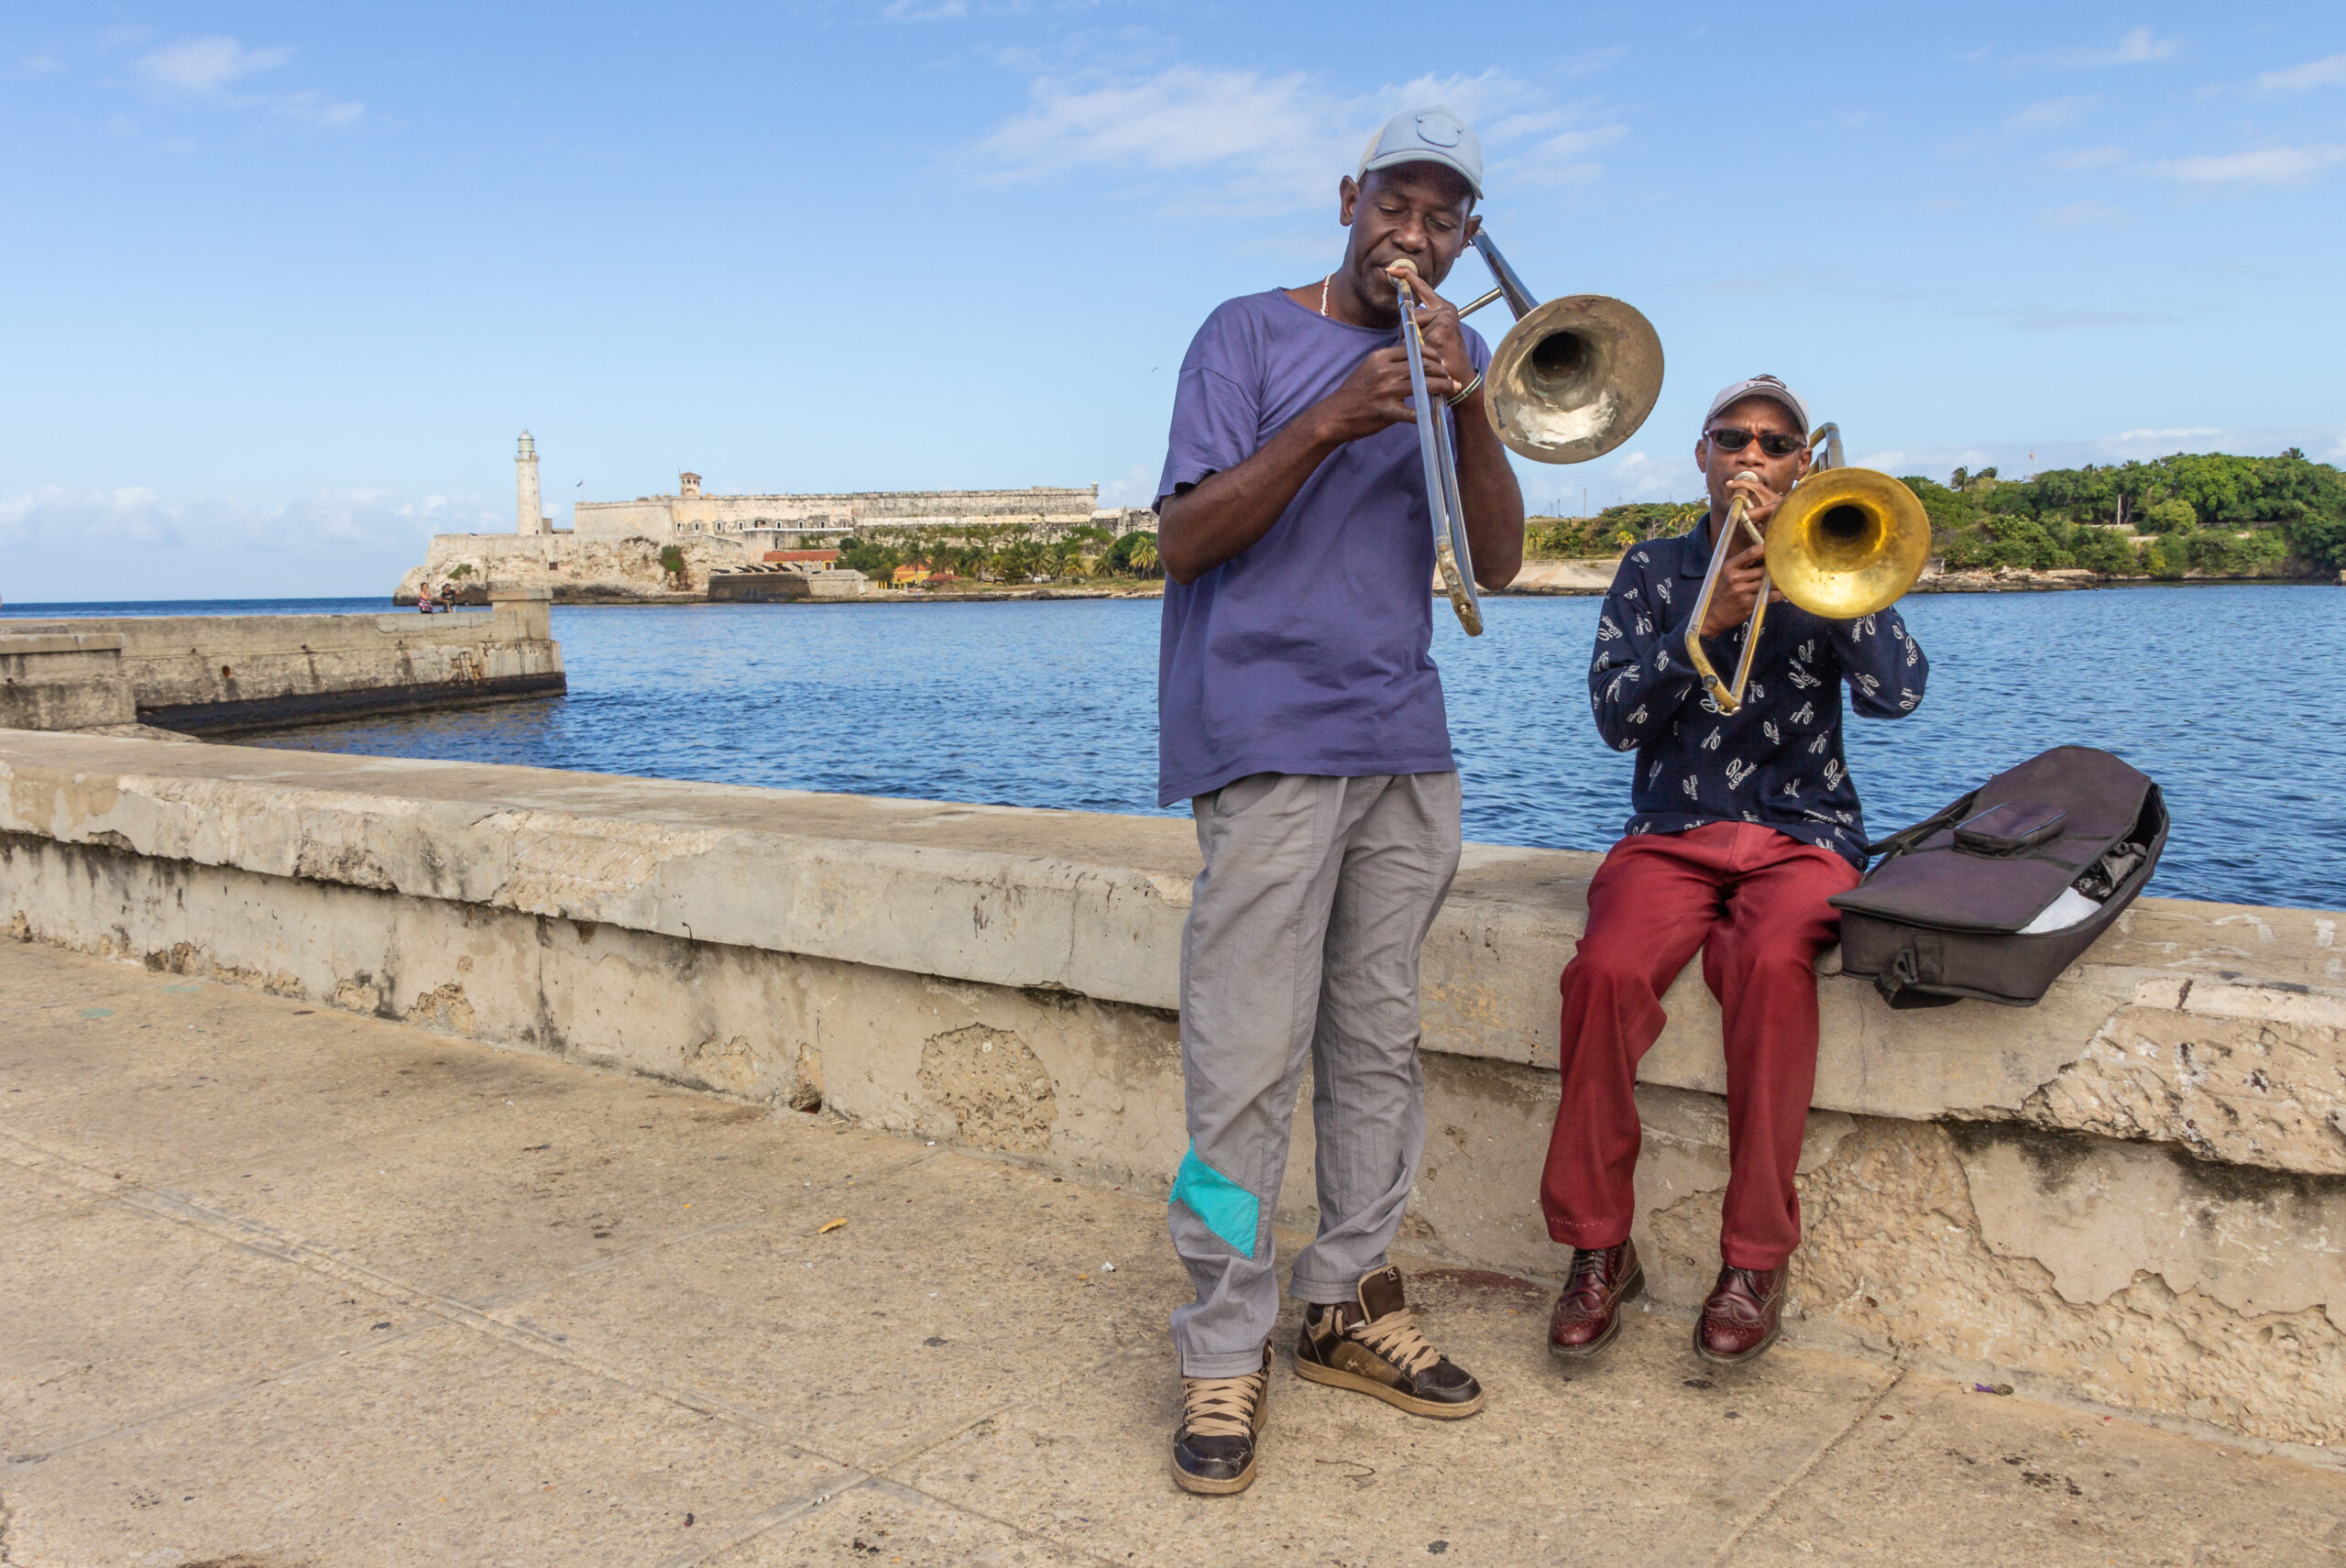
column 1716, row 1359
column 1205, row 1487
column 1393, row 1397
column 1579, row 1354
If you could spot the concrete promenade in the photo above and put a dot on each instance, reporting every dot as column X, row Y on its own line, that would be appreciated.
column 283, row 1284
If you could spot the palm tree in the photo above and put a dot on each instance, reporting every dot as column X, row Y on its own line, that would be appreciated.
column 1143, row 556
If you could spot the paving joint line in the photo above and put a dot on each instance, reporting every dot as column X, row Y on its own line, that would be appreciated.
column 263, row 1240
column 210, row 1399
column 1777, row 1494
column 766, row 1519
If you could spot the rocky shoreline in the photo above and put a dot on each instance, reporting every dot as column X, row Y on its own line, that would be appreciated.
column 628, row 571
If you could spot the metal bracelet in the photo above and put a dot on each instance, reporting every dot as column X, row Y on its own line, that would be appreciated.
column 1466, row 391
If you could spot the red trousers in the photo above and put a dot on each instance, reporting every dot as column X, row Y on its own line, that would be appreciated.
column 1753, row 899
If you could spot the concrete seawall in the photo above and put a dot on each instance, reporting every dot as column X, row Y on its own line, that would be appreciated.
column 2134, row 1193
column 225, row 674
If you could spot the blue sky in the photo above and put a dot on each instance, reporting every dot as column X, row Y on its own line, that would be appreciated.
column 282, row 283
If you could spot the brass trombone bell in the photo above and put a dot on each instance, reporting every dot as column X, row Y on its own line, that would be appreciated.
column 1574, row 379
column 1846, row 543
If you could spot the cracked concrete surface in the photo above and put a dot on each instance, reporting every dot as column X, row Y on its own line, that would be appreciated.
column 290, row 1285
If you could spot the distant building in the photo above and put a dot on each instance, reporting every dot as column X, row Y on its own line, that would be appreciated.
column 530, row 513
column 763, row 521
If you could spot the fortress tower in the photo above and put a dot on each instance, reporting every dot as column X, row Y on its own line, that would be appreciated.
column 532, row 515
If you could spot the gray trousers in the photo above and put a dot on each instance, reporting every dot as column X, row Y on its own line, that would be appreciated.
column 1302, row 944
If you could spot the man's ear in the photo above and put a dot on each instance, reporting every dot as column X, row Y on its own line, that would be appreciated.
column 1347, row 198
column 1703, row 455
column 1473, row 227
column 1807, row 456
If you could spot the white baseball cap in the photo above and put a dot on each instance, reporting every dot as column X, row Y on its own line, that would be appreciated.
column 1431, row 134
column 1760, row 386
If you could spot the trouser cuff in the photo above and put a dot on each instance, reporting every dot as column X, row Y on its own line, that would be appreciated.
column 1736, row 1256
column 1331, row 1292
column 1587, row 1238
column 1244, row 1364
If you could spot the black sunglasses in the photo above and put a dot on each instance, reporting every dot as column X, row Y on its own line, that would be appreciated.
column 1735, row 438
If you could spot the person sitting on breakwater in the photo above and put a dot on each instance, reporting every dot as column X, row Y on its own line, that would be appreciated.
column 1745, row 824
column 1301, row 716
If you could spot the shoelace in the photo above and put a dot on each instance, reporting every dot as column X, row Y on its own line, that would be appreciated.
column 1395, row 1337
column 1221, row 1407
column 1588, row 1279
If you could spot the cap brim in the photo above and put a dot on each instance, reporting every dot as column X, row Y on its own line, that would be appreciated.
column 1419, row 155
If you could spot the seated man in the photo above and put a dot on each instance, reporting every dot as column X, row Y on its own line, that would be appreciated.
column 1745, row 824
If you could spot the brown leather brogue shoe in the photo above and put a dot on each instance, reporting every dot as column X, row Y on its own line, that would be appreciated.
column 1588, row 1314
column 1374, row 1345
column 1743, row 1315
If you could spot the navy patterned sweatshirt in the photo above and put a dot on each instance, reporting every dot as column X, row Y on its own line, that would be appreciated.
column 1777, row 760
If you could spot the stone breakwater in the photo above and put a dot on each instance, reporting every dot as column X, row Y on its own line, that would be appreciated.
column 218, row 674
column 2131, row 1195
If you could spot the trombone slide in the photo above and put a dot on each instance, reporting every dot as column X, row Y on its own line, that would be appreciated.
column 1452, row 557
column 1726, row 696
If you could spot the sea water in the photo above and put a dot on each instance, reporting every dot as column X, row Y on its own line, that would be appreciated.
column 2215, row 692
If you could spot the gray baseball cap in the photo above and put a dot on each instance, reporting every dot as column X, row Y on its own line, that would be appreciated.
column 1431, row 134
column 1760, row 386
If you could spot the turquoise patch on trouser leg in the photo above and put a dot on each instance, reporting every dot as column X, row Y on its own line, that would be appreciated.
column 1229, row 1211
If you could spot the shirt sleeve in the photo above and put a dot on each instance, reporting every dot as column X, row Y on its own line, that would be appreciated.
column 1639, row 679
column 1217, row 406
column 1883, row 663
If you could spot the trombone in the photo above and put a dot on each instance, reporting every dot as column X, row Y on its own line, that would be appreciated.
column 1570, row 380
column 1845, row 542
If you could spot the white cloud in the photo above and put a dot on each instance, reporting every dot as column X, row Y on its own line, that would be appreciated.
column 2266, row 166
column 915, row 11
column 2327, row 72
column 317, row 108
column 1589, row 64
column 1241, row 143
column 1136, row 489
column 42, row 64
column 339, row 520
column 200, row 67
column 2051, row 115
column 1561, row 160
column 2083, row 214
column 2137, row 47
column 2087, row 157
column 2186, row 433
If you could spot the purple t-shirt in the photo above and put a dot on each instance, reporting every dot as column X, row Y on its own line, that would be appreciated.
column 1309, row 653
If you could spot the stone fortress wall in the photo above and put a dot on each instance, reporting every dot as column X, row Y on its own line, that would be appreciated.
column 691, row 511
column 612, row 554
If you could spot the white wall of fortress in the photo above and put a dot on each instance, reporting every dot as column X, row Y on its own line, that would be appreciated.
column 667, row 516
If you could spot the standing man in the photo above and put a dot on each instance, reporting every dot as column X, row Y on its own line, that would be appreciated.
column 1745, row 824
column 1301, row 716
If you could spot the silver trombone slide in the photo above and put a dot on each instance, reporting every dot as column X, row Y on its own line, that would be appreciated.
column 1453, row 559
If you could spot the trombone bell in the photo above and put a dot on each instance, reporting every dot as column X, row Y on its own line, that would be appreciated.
column 1574, row 379
column 1846, row 543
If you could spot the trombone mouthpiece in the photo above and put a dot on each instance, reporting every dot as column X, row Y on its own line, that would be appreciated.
column 1404, row 265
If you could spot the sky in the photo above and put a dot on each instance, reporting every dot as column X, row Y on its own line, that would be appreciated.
column 283, row 283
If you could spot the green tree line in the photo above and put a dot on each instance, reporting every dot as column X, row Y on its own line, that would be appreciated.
column 2210, row 512
column 1006, row 552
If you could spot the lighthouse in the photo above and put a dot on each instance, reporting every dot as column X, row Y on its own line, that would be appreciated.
column 526, row 484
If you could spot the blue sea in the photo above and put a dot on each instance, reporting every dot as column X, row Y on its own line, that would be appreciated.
column 2208, row 690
